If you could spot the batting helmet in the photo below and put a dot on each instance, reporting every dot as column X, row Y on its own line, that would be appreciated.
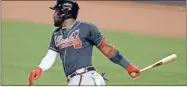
column 64, row 9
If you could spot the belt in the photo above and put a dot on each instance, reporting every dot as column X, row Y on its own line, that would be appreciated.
column 81, row 71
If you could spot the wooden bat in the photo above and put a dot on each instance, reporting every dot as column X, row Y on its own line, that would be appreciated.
column 163, row 61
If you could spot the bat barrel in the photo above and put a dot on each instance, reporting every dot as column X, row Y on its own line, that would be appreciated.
column 165, row 60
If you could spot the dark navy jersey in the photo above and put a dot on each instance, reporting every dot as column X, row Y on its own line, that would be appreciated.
column 75, row 45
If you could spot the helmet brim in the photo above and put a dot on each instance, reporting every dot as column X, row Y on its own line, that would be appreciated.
column 52, row 7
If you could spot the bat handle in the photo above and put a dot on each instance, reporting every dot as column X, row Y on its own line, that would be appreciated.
column 145, row 68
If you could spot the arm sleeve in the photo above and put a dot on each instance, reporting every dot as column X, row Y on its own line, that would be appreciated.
column 52, row 45
column 48, row 60
column 95, row 35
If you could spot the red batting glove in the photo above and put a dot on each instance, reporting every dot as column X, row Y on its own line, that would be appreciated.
column 133, row 71
column 34, row 75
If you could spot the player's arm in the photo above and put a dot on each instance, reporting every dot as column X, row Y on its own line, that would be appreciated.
column 114, row 55
column 46, row 63
column 111, row 52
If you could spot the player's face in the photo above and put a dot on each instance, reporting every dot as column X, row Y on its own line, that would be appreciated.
column 58, row 18
column 62, row 13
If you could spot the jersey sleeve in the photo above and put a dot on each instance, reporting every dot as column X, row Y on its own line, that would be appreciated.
column 95, row 35
column 48, row 61
column 52, row 45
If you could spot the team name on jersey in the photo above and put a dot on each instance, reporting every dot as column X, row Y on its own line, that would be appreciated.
column 72, row 40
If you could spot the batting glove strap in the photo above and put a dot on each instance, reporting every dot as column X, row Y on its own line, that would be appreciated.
column 130, row 68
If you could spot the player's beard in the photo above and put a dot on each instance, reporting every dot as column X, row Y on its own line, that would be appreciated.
column 58, row 23
column 58, row 19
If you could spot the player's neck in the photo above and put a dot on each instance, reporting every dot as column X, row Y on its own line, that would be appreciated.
column 67, row 24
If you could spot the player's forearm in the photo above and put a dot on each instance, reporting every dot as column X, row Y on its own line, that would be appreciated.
column 113, row 54
column 117, row 58
column 48, row 61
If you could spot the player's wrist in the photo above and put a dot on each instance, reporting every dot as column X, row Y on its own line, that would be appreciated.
column 129, row 68
column 120, row 60
column 39, row 69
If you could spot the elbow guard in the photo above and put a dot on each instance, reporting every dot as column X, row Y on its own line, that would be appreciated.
column 103, row 44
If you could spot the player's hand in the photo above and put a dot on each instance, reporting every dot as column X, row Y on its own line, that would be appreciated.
column 133, row 71
column 34, row 75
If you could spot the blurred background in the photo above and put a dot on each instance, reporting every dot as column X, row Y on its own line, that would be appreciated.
column 143, row 31
column 166, row 2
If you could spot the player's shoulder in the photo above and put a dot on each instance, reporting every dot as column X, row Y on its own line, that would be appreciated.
column 89, row 24
column 57, row 29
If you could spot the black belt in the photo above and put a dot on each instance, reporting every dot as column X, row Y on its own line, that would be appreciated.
column 87, row 69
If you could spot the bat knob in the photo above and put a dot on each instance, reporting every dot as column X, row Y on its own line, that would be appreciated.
column 134, row 74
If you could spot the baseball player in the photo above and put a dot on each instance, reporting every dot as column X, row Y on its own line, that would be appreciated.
column 73, row 41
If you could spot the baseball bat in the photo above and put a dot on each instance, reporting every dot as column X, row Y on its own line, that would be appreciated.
column 163, row 61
